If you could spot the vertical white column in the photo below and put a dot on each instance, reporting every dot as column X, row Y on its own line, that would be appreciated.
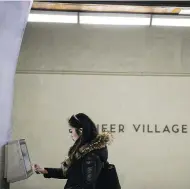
column 13, row 19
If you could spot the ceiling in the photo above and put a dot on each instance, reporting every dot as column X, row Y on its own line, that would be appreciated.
column 145, row 7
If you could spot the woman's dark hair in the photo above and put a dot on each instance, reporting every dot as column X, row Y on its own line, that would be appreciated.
column 82, row 121
column 89, row 131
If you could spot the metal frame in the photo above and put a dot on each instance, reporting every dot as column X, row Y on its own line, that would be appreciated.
column 78, row 14
column 105, row 6
column 74, row 72
column 134, row 3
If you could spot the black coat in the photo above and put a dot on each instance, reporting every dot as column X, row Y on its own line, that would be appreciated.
column 84, row 172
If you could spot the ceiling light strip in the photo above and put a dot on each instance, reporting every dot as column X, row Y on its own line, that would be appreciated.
column 114, row 19
column 171, row 21
column 52, row 18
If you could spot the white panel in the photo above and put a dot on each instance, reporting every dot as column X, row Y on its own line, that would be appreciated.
column 13, row 19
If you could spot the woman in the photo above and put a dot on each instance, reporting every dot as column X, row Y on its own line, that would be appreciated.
column 85, row 158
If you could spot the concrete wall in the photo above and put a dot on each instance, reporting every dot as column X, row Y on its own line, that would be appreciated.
column 128, row 50
column 45, row 98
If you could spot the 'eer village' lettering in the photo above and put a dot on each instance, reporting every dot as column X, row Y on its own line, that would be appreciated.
column 112, row 128
column 147, row 128
column 142, row 128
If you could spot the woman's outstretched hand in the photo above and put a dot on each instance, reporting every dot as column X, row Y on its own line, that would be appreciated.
column 39, row 170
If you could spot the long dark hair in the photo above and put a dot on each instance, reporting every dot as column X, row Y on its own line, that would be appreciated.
column 89, row 130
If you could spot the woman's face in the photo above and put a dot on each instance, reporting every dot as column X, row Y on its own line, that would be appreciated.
column 74, row 134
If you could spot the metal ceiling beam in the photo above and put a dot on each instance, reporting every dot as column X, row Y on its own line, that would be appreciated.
column 136, row 3
column 79, row 7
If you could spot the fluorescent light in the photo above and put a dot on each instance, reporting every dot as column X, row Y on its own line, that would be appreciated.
column 118, row 19
column 54, row 18
column 169, row 21
column 185, row 11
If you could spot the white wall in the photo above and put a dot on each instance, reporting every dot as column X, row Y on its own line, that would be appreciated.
column 144, row 160
column 45, row 98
